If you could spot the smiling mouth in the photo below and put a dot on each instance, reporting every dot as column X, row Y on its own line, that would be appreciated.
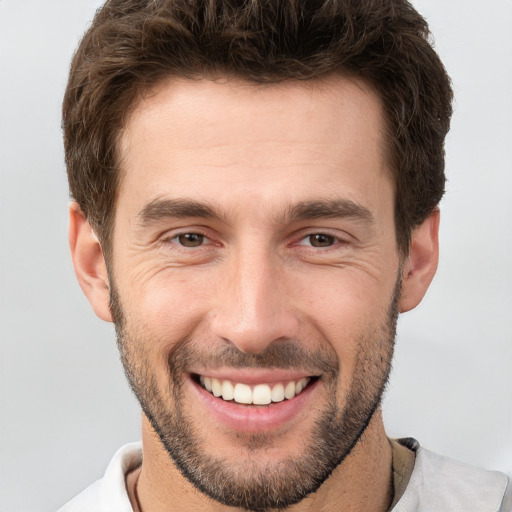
column 260, row 394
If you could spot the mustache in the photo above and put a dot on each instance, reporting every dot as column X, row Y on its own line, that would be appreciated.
column 285, row 355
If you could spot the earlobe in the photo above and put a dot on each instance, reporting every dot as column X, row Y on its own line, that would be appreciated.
column 421, row 264
column 89, row 262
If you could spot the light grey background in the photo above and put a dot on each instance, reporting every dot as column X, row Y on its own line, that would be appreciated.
column 64, row 404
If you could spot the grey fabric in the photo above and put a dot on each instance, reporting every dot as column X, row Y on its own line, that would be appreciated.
column 441, row 484
column 506, row 505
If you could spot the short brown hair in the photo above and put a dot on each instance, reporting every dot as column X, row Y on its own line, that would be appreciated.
column 132, row 44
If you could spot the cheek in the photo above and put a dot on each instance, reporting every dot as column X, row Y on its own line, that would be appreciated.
column 349, row 311
column 163, row 312
column 344, row 301
column 157, row 320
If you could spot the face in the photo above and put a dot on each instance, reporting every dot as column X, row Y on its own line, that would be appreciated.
column 255, row 279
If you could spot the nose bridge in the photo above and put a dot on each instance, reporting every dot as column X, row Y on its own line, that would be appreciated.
column 253, row 310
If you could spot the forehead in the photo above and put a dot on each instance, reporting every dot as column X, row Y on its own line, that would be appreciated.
column 212, row 137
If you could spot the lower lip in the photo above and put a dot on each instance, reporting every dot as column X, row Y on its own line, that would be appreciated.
column 255, row 418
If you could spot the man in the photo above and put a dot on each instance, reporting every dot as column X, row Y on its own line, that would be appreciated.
column 256, row 188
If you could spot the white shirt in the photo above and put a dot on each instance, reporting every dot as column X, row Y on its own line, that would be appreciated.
column 437, row 484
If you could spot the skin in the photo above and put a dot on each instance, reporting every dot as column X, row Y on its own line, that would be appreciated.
column 253, row 154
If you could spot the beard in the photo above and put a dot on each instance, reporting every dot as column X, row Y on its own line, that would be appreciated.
column 249, row 483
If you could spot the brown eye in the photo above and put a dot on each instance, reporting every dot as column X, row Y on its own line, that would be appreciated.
column 190, row 239
column 321, row 240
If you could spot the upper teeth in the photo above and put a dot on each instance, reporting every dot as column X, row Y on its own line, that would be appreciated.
column 261, row 394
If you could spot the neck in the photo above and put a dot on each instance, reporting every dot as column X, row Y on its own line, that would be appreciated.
column 363, row 481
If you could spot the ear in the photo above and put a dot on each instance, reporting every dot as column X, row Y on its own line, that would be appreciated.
column 421, row 264
column 89, row 263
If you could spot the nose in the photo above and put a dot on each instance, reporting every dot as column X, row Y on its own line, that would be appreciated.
column 254, row 308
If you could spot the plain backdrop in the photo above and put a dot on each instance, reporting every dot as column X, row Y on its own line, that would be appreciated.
column 64, row 404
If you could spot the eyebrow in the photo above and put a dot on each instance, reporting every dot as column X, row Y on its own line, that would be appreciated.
column 161, row 208
column 325, row 209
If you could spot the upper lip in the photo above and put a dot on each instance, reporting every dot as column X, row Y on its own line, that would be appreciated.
column 254, row 376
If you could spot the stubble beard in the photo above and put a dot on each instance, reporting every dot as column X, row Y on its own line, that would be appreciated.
column 253, row 484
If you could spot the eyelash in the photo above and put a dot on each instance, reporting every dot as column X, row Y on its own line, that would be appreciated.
column 334, row 240
column 175, row 239
column 299, row 242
